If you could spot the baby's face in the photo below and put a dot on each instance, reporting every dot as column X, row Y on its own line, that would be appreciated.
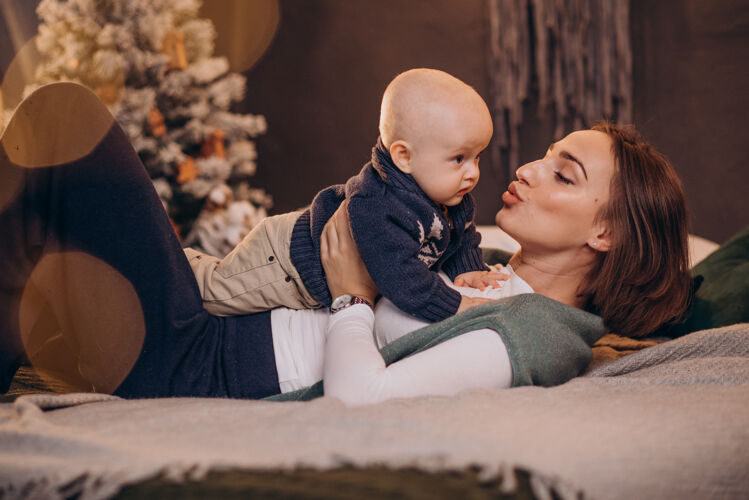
column 445, row 160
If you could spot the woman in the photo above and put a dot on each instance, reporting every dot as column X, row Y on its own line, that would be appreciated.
column 89, row 252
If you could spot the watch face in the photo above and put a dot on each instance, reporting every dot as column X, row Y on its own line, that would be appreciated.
column 341, row 302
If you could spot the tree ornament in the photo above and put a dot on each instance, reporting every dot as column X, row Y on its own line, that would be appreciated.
column 187, row 171
column 213, row 145
column 110, row 94
column 218, row 199
column 156, row 122
column 173, row 46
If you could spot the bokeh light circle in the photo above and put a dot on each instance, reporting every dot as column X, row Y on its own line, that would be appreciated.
column 244, row 29
column 81, row 321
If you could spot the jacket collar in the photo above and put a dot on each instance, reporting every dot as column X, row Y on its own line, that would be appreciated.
column 390, row 173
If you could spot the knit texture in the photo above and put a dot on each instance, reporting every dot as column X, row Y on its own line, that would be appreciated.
column 403, row 237
column 548, row 342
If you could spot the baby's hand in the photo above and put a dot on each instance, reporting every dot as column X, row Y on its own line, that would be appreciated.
column 481, row 279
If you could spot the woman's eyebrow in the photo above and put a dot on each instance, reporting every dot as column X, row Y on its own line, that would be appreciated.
column 567, row 155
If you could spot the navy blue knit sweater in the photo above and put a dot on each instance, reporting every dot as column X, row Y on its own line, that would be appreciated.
column 403, row 237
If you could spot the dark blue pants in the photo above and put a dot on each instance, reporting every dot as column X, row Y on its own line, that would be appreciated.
column 103, row 207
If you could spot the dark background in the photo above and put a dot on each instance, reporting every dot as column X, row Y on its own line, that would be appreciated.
column 320, row 82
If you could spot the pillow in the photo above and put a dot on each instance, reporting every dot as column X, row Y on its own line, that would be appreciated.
column 494, row 256
column 720, row 279
column 720, row 286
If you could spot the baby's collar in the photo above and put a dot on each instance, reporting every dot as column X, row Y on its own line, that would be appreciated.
column 383, row 163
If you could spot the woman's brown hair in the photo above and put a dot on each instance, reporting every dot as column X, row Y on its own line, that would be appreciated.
column 643, row 281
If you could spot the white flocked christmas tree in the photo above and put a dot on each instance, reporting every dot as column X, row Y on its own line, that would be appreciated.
column 151, row 62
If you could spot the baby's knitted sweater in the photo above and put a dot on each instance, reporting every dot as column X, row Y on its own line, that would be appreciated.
column 403, row 237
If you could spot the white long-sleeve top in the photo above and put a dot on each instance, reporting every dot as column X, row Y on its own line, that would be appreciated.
column 342, row 350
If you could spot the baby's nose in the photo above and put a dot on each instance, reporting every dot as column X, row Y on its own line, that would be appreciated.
column 472, row 169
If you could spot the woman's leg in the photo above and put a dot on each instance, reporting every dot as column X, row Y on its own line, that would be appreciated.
column 88, row 251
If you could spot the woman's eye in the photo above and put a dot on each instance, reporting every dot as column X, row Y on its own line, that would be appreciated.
column 563, row 178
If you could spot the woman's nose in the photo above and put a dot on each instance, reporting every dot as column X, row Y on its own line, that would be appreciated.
column 528, row 173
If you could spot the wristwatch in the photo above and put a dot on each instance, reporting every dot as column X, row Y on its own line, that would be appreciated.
column 346, row 300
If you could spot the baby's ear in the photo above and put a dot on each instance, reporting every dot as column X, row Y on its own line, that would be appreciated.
column 400, row 152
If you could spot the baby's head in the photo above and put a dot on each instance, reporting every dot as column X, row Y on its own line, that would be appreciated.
column 434, row 127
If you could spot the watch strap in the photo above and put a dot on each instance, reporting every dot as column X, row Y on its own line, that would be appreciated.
column 351, row 300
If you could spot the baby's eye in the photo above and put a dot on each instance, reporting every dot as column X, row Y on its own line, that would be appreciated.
column 459, row 159
column 562, row 178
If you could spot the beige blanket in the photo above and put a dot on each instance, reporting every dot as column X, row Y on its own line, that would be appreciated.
column 670, row 421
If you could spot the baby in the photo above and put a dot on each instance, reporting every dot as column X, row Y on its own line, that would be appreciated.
column 410, row 211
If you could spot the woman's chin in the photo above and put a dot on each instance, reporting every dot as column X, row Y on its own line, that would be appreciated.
column 504, row 222
column 499, row 219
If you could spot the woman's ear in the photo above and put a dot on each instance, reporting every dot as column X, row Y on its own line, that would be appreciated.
column 601, row 239
column 400, row 152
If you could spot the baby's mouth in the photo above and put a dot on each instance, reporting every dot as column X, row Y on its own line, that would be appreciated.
column 465, row 190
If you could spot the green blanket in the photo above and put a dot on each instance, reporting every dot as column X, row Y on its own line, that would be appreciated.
column 548, row 342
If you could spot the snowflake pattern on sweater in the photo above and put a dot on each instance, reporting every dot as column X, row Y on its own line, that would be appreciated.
column 429, row 252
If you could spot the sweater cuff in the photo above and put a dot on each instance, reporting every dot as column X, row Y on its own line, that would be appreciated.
column 306, row 259
column 442, row 304
column 463, row 262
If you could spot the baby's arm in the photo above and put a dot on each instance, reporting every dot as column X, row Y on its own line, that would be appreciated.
column 355, row 372
column 468, row 257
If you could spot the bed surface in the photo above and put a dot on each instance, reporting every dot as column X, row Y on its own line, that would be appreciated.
column 668, row 421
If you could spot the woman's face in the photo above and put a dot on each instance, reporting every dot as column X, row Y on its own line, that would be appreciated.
column 553, row 204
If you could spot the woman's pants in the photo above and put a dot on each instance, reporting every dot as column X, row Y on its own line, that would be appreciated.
column 94, row 285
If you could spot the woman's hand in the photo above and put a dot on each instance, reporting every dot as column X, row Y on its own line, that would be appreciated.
column 344, row 269
column 469, row 302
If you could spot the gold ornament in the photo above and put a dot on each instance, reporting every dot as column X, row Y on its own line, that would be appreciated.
column 187, row 171
column 156, row 122
column 213, row 145
column 109, row 94
column 173, row 46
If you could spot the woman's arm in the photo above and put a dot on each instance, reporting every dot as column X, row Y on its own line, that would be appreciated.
column 344, row 269
column 354, row 370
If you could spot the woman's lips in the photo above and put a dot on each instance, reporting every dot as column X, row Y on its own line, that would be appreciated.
column 511, row 197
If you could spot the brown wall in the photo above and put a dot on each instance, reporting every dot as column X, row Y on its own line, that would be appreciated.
column 320, row 83
column 691, row 82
